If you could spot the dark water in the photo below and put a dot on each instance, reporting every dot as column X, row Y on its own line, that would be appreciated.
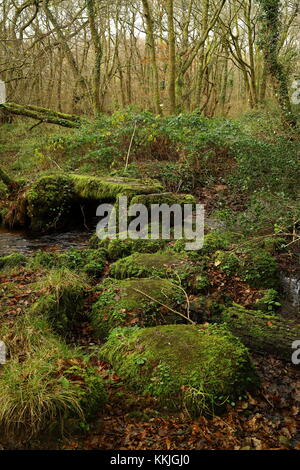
column 26, row 243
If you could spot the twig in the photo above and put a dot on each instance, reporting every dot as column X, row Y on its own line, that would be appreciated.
column 164, row 305
column 130, row 145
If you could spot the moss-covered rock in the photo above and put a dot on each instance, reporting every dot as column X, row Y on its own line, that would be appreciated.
column 107, row 189
column 184, row 366
column 117, row 248
column 164, row 264
column 49, row 202
column 12, row 261
column 163, row 198
column 141, row 302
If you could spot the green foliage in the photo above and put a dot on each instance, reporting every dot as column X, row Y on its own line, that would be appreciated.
column 187, row 367
column 88, row 261
column 253, row 265
column 216, row 240
column 269, row 302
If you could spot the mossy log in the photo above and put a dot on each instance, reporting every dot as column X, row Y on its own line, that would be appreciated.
column 43, row 115
column 265, row 334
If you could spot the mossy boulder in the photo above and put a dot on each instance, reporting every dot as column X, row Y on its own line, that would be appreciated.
column 108, row 188
column 49, row 202
column 12, row 261
column 184, row 366
column 136, row 302
column 117, row 248
column 164, row 264
column 163, row 198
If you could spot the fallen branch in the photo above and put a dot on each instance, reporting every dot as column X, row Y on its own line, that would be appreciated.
column 43, row 115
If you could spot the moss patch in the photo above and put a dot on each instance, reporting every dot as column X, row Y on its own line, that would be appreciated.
column 163, row 198
column 89, row 261
column 88, row 187
column 49, row 202
column 123, row 303
column 185, row 366
column 165, row 264
column 254, row 266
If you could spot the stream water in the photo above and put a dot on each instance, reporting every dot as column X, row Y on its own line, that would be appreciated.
column 27, row 243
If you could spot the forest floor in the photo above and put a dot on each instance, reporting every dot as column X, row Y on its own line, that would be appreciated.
column 267, row 419
column 233, row 189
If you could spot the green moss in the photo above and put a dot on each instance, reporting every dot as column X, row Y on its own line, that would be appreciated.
column 255, row 266
column 121, row 248
column 12, row 261
column 123, row 303
column 89, row 261
column 89, row 187
column 62, row 299
column 264, row 333
column 49, row 202
column 165, row 264
column 216, row 240
column 163, row 198
column 184, row 366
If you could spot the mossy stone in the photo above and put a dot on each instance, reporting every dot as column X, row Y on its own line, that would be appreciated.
column 184, row 366
column 108, row 188
column 141, row 302
column 49, row 202
column 165, row 264
column 163, row 198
